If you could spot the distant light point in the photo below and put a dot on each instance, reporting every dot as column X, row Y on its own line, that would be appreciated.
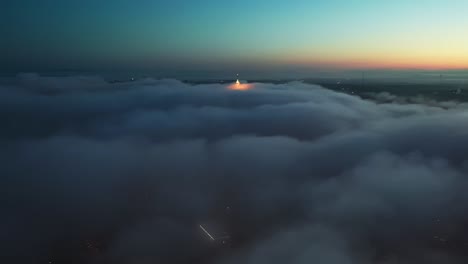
column 240, row 85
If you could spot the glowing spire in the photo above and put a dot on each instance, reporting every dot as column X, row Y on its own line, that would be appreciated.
column 240, row 85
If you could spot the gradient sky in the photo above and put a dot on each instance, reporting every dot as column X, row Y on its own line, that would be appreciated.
column 214, row 34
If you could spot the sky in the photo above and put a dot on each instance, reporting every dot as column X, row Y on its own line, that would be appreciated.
column 207, row 35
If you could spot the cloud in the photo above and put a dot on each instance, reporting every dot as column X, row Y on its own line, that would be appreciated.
column 94, row 172
column 386, row 97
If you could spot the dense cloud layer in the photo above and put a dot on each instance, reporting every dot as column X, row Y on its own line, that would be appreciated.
column 94, row 172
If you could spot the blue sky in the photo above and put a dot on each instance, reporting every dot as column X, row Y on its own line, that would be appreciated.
column 209, row 34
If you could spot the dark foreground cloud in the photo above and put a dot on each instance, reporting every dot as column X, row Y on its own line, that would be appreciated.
column 93, row 172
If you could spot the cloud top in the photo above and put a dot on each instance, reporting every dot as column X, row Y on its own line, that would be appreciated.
column 94, row 172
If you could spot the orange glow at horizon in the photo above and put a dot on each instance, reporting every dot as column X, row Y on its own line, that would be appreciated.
column 422, row 63
column 395, row 62
column 381, row 56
